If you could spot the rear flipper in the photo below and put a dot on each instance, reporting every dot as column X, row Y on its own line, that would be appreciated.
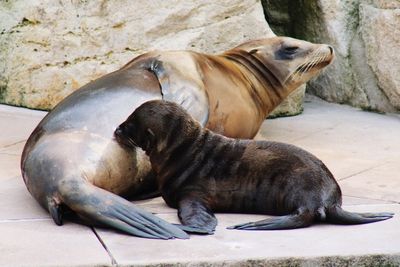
column 292, row 221
column 99, row 206
column 196, row 217
column 337, row 215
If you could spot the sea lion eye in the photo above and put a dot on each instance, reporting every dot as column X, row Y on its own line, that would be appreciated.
column 286, row 52
column 290, row 49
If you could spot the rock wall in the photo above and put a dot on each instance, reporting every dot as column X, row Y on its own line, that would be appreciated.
column 50, row 48
column 366, row 37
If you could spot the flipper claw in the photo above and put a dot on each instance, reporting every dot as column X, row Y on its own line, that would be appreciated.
column 195, row 230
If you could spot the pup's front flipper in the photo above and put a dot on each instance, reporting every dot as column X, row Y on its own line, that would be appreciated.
column 196, row 217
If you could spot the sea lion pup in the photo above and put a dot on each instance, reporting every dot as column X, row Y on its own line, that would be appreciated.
column 200, row 172
column 71, row 161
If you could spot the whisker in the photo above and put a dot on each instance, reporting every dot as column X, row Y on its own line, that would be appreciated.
column 303, row 67
column 311, row 65
column 291, row 75
column 317, row 58
column 131, row 142
column 314, row 59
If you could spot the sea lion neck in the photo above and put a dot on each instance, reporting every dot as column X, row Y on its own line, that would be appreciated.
column 179, row 158
column 174, row 142
column 266, row 88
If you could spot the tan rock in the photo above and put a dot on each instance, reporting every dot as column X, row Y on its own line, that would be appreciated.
column 50, row 48
column 386, row 4
column 292, row 105
column 380, row 30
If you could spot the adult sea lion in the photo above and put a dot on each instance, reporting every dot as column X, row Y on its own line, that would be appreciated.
column 200, row 172
column 71, row 160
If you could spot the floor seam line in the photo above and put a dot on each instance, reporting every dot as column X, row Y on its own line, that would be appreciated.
column 24, row 220
column 390, row 201
column 13, row 144
column 362, row 171
column 316, row 132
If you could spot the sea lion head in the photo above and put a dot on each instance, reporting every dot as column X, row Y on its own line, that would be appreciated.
column 154, row 125
column 283, row 61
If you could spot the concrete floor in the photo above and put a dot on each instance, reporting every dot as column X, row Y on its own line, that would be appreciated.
column 362, row 149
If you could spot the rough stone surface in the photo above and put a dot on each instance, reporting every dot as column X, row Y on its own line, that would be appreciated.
column 380, row 29
column 366, row 37
column 50, row 48
column 292, row 105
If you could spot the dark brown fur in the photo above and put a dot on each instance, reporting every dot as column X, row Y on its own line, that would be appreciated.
column 200, row 172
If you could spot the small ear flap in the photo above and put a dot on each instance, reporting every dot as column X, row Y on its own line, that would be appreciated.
column 253, row 51
column 149, row 131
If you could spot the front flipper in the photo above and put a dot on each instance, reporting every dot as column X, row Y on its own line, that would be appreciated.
column 183, row 85
column 196, row 217
column 98, row 206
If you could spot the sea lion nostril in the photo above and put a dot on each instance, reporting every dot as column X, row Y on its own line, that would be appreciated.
column 118, row 131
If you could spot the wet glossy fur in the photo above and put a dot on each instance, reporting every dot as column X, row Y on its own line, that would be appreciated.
column 200, row 172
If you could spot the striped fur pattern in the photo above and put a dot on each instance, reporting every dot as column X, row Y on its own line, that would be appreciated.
column 200, row 172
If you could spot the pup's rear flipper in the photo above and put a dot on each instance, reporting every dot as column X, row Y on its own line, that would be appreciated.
column 337, row 215
column 99, row 206
column 292, row 221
